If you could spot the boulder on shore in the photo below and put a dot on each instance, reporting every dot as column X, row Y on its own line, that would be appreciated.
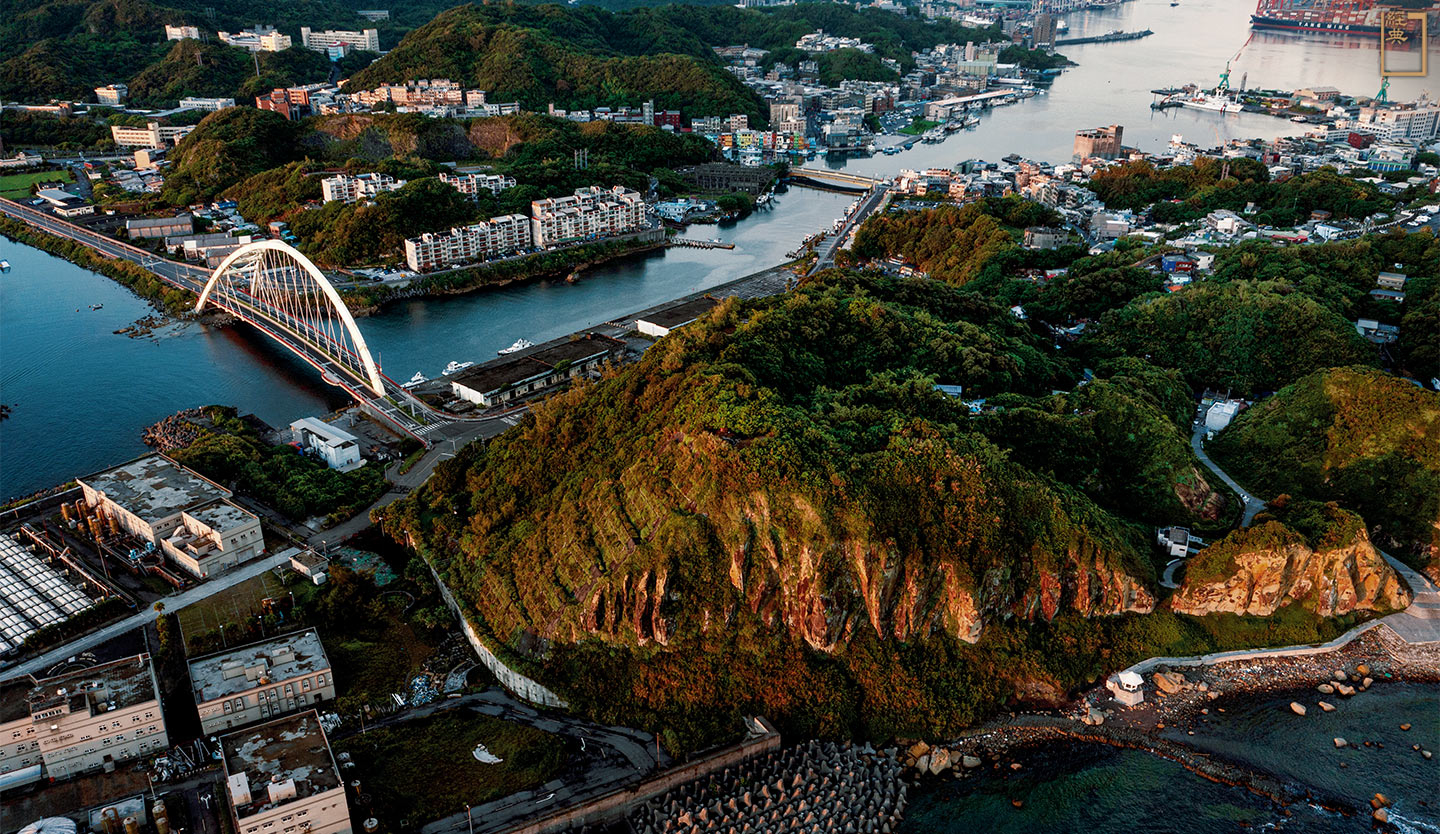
column 1168, row 682
column 1325, row 689
column 1297, row 708
column 1327, row 707
column 1345, row 689
column 1381, row 815
column 939, row 760
column 970, row 762
column 1405, row 727
column 1363, row 669
column 1340, row 742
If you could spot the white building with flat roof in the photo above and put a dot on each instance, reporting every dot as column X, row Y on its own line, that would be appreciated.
column 260, row 681
column 111, row 94
column 339, row 448
column 337, row 39
column 472, row 184
column 349, row 188
column 185, row 514
column 152, row 135
column 257, row 39
column 281, row 778
column 180, row 33
column 84, row 720
column 207, row 104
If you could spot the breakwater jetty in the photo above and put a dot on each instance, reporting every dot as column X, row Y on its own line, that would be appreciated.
column 815, row 786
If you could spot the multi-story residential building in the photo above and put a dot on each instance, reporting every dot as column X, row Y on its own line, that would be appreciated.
column 88, row 719
column 208, row 104
column 281, row 778
column 187, row 516
column 1099, row 143
column 152, row 135
column 1419, row 122
column 333, row 40
column 180, row 33
column 591, row 212
column 111, row 94
column 488, row 239
column 291, row 102
column 473, row 183
column 258, row 39
column 260, row 681
column 348, row 189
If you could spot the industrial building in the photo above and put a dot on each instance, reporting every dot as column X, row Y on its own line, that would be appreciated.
column 473, row 183
column 262, row 680
column 32, row 595
column 662, row 322
column 592, row 212
column 513, row 379
column 281, row 778
column 166, row 227
column 1098, row 143
column 493, row 238
column 86, row 719
column 340, row 449
column 348, row 189
column 339, row 43
column 176, row 509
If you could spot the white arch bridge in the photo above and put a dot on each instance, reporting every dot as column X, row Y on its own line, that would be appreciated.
column 271, row 286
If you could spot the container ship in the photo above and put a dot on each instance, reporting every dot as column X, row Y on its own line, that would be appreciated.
column 1345, row 17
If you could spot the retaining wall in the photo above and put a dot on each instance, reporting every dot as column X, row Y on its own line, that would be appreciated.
column 522, row 686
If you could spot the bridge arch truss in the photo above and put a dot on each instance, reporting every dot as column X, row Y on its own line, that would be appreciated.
column 273, row 286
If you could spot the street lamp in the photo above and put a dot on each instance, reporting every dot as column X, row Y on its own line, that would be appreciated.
column 469, row 819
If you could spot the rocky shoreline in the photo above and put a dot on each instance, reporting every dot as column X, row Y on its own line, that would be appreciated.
column 1177, row 702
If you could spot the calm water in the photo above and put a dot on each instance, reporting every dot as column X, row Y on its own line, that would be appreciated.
column 80, row 395
column 1102, row 790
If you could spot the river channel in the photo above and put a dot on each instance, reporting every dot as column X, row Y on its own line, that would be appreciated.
column 80, row 394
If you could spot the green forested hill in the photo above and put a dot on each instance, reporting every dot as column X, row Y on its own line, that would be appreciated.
column 1353, row 435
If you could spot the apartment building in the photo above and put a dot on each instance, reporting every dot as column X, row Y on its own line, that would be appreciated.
column 260, row 681
column 152, row 135
column 258, row 39
column 348, row 189
column 1098, row 143
column 334, row 39
column 111, row 94
column 180, row 33
column 473, row 183
column 591, row 212
column 187, row 516
column 481, row 241
column 88, row 719
column 281, row 778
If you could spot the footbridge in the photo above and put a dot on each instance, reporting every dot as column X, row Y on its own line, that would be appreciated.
column 833, row 180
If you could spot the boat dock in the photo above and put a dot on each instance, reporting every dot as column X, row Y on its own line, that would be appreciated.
column 699, row 244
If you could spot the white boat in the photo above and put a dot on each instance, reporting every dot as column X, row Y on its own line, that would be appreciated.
column 4, row 266
column 1220, row 104
column 520, row 344
column 456, row 367
column 415, row 380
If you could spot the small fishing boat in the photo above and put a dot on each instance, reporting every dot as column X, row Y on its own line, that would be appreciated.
column 520, row 344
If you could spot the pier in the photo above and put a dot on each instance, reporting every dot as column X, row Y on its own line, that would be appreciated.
column 1109, row 37
column 694, row 243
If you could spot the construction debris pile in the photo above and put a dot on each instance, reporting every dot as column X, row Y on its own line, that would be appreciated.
column 813, row 787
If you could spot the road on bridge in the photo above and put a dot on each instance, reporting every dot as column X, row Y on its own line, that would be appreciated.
column 825, row 252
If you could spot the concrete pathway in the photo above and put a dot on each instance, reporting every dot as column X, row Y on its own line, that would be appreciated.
column 1168, row 580
column 1420, row 623
column 174, row 602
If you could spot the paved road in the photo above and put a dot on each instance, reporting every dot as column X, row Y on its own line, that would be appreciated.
column 825, row 252
column 174, row 602
column 1253, row 505
column 1420, row 623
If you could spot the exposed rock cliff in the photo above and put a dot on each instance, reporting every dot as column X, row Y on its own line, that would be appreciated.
column 1259, row 570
